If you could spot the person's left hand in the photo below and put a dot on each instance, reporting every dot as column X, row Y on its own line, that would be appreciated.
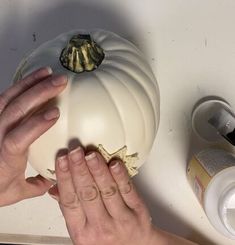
column 20, row 125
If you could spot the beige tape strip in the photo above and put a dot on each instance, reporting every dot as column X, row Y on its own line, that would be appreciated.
column 32, row 239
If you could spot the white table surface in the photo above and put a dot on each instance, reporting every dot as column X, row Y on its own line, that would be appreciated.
column 190, row 45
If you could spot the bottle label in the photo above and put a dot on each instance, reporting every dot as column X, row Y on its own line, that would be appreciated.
column 204, row 166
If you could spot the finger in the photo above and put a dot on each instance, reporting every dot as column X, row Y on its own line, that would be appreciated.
column 16, row 89
column 17, row 142
column 85, row 187
column 54, row 192
column 36, row 186
column 31, row 99
column 107, row 186
column 68, row 199
column 127, row 189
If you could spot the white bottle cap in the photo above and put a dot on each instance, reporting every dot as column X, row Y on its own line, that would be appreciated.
column 219, row 202
column 227, row 208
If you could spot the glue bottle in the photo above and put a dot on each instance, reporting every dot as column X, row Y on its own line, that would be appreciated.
column 211, row 173
column 211, row 170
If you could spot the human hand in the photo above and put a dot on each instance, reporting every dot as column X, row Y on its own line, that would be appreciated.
column 20, row 127
column 101, row 205
column 99, row 202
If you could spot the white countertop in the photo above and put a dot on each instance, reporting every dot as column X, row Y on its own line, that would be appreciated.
column 191, row 47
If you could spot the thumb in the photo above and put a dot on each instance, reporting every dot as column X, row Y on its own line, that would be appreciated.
column 54, row 193
column 36, row 186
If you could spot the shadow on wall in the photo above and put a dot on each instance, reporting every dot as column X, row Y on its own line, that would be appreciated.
column 23, row 33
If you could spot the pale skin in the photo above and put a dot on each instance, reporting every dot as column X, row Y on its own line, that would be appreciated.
column 99, row 202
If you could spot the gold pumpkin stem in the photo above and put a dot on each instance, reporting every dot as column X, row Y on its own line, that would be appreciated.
column 81, row 54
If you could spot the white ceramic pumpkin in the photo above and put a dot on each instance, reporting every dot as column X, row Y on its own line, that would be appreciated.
column 111, row 100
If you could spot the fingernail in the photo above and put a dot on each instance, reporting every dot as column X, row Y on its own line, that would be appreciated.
column 76, row 155
column 63, row 163
column 59, row 80
column 52, row 113
column 92, row 161
column 115, row 166
column 90, row 156
column 49, row 70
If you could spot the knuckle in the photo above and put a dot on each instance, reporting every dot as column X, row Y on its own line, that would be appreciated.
column 88, row 193
column 16, row 109
column 109, row 192
column 70, row 200
column 83, row 171
column 78, row 162
column 25, row 82
column 125, row 188
column 11, row 146
column 104, row 231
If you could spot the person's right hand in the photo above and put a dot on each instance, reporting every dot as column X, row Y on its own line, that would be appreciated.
column 100, row 204
column 19, row 128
